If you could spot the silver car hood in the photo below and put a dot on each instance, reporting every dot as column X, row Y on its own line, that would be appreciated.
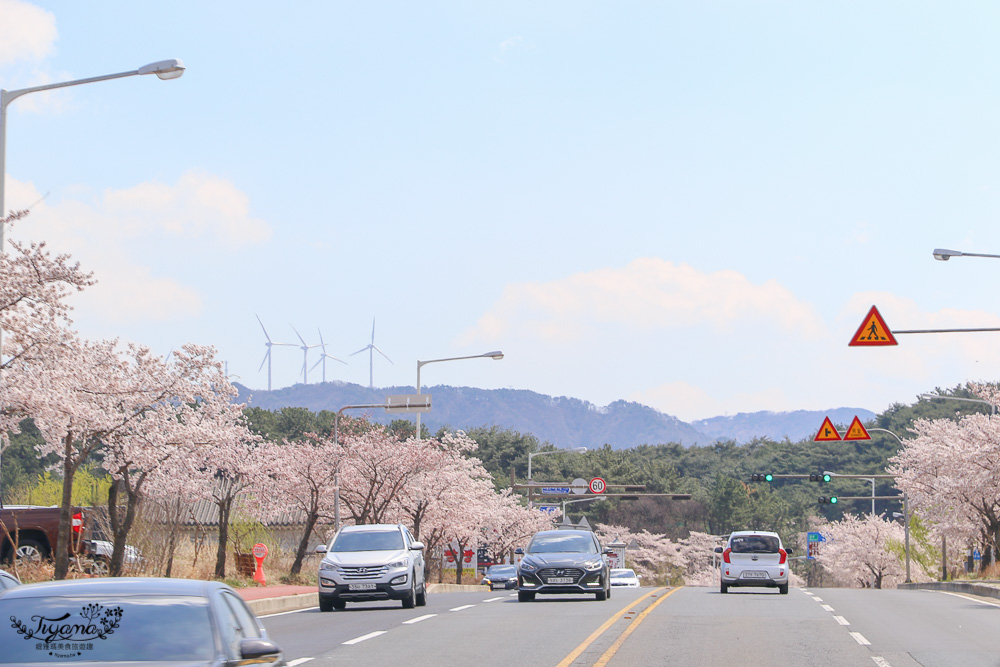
column 365, row 557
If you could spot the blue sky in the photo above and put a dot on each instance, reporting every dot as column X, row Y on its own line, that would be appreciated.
column 689, row 205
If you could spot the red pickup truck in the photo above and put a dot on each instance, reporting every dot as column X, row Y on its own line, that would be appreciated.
column 36, row 529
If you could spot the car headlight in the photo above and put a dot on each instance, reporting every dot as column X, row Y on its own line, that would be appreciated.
column 528, row 566
column 327, row 566
column 594, row 565
column 398, row 563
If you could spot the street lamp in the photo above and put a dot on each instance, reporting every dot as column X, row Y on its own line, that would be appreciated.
column 495, row 355
column 163, row 69
column 906, row 508
column 336, row 441
column 579, row 500
column 578, row 450
column 930, row 397
column 944, row 255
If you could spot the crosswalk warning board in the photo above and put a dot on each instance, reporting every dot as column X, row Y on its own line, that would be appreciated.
column 827, row 432
column 873, row 331
column 857, row 431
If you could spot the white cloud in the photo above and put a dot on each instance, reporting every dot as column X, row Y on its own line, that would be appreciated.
column 117, row 234
column 27, row 32
column 649, row 294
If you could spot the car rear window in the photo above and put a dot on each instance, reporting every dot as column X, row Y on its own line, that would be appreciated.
column 105, row 629
column 369, row 540
column 754, row 544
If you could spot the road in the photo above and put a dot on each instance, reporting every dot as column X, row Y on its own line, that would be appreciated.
column 653, row 626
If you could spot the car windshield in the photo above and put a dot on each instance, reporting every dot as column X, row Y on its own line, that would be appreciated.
column 622, row 574
column 105, row 629
column 562, row 543
column 369, row 540
column 754, row 544
column 501, row 571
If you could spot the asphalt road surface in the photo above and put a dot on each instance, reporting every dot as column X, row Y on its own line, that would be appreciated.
column 653, row 626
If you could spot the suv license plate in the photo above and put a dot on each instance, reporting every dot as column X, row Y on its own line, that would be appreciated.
column 361, row 587
column 559, row 580
column 755, row 574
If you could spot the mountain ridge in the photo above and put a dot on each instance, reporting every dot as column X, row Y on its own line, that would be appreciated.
column 559, row 420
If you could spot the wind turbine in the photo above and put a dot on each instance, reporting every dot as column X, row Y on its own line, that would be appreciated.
column 371, row 357
column 323, row 357
column 305, row 354
column 267, row 355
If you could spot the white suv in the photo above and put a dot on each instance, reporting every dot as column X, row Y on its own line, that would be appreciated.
column 754, row 558
column 371, row 562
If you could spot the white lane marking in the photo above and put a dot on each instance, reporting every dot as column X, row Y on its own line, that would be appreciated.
column 959, row 595
column 817, row 599
column 880, row 661
column 282, row 613
column 859, row 638
column 299, row 661
column 370, row 635
column 493, row 599
column 841, row 620
column 826, row 607
column 418, row 619
column 464, row 606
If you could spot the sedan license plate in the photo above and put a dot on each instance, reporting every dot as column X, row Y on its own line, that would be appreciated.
column 559, row 580
column 361, row 587
column 754, row 574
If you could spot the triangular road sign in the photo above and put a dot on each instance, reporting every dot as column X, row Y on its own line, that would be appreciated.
column 873, row 331
column 857, row 431
column 827, row 432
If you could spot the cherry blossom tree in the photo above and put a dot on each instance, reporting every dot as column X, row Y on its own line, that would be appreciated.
column 650, row 555
column 865, row 550
column 951, row 473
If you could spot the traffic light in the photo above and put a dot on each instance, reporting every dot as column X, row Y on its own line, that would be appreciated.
column 828, row 500
column 759, row 477
column 820, row 477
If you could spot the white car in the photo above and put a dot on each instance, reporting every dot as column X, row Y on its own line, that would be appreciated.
column 623, row 576
column 372, row 562
column 753, row 558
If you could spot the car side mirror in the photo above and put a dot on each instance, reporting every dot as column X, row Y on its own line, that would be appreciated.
column 419, row 546
column 719, row 550
column 321, row 548
column 252, row 648
column 519, row 551
column 788, row 550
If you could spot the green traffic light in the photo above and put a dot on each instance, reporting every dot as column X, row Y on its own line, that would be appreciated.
column 826, row 477
column 833, row 500
column 768, row 477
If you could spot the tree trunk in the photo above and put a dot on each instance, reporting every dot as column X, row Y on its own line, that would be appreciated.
column 300, row 554
column 120, row 528
column 225, row 506
column 61, row 555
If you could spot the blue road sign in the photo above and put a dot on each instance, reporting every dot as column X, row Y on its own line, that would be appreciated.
column 548, row 509
column 556, row 490
column 976, row 555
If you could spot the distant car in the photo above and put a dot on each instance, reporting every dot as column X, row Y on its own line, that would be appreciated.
column 754, row 558
column 563, row 561
column 622, row 576
column 501, row 577
column 141, row 621
column 100, row 553
column 8, row 580
column 372, row 562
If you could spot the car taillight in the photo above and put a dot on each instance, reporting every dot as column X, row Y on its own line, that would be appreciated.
column 725, row 555
column 784, row 556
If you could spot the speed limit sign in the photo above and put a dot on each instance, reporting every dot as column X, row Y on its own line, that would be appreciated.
column 598, row 485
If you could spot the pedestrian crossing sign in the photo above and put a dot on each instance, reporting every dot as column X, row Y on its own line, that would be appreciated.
column 873, row 331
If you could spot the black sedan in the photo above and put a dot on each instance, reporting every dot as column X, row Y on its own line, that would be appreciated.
column 501, row 577
column 563, row 561
column 140, row 621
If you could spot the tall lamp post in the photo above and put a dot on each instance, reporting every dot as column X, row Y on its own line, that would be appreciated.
column 578, row 500
column 163, row 69
column 336, row 441
column 906, row 509
column 496, row 355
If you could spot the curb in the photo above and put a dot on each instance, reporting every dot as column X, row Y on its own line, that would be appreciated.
column 983, row 590
column 283, row 603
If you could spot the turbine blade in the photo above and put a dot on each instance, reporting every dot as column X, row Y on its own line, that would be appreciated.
column 373, row 331
column 383, row 354
column 298, row 334
column 364, row 349
column 262, row 327
column 266, row 355
column 316, row 364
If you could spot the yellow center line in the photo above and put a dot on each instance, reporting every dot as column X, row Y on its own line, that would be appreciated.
column 604, row 659
column 568, row 660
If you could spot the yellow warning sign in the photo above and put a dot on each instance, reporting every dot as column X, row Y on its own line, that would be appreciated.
column 857, row 431
column 873, row 331
column 827, row 432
